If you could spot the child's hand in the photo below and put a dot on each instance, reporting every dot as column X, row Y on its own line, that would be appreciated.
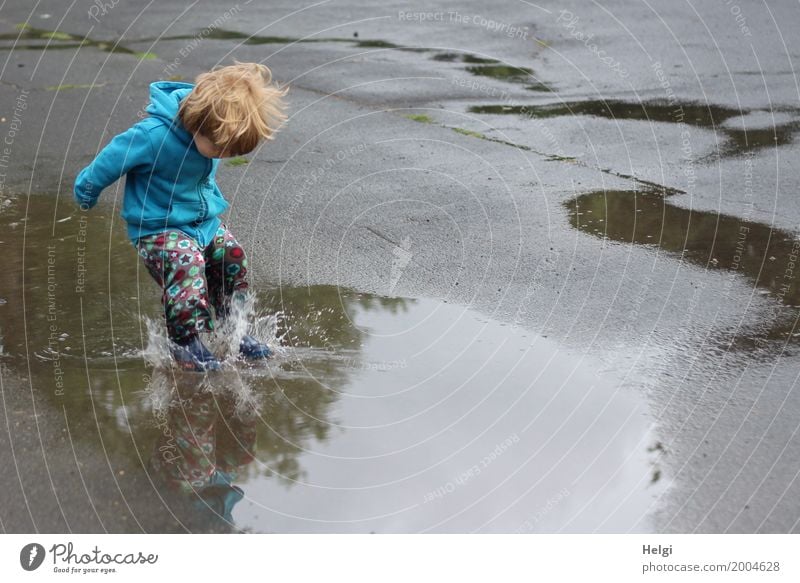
column 84, row 202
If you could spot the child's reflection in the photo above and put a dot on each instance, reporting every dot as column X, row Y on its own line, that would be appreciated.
column 204, row 442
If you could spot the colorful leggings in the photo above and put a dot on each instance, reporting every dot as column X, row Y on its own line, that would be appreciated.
column 194, row 279
column 202, row 436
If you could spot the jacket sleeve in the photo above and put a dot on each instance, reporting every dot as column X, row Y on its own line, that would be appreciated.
column 126, row 152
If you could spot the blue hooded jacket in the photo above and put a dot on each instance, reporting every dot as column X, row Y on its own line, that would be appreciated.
column 169, row 184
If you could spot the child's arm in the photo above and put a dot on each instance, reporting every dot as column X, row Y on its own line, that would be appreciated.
column 130, row 150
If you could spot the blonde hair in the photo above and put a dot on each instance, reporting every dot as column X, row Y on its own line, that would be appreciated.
column 235, row 107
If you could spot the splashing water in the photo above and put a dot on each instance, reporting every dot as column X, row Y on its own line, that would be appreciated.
column 166, row 383
column 244, row 318
column 156, row 351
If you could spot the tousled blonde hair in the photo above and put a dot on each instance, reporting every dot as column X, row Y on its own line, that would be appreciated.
column 235, row 107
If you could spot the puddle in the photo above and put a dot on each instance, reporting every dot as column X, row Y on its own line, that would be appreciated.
column 480, row 66
column 222, row 34
column 58, row 40
column 50, row 39
column 378, row 414
column 762, row 255
column 462, row 58
column 247, row 39
column 729, row 122
column 503, row 72
column 509, row 74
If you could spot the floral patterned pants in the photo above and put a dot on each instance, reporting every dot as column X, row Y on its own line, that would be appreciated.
column 194, row 279
column 203, row 436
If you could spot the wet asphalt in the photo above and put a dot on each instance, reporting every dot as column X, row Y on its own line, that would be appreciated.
column 498, row 150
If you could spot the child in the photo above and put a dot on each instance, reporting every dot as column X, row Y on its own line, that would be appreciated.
column 172, row 202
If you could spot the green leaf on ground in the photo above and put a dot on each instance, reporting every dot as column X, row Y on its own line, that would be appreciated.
column 238, row 161
column 469, row 133
column 420, row 117
column 56, row 35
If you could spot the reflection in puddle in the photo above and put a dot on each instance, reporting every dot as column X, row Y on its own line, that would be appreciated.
column 448, row 421
column 730, row 122
column 765, row 256
column 205, row 441
column 378, row 414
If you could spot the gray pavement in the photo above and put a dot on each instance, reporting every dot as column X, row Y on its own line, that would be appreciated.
column 479, row 198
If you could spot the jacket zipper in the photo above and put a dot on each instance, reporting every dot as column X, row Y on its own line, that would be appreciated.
column 203, row 201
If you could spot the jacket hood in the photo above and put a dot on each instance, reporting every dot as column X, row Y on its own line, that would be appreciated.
column 168, row 182
column 165, row 98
